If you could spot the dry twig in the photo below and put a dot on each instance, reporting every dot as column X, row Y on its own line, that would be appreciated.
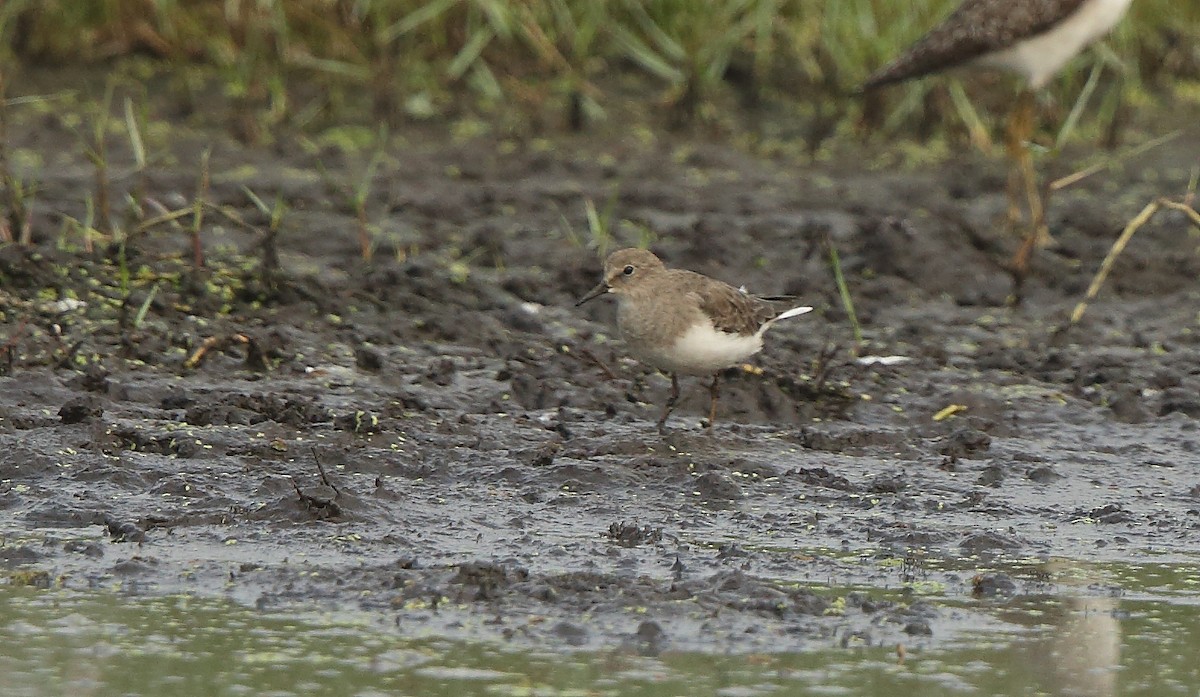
column 1130, row 228
column 213, row 343
column 324, row 477
column 593, row 358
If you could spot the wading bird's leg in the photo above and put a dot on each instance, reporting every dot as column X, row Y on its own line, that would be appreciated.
column 714, row 391
column 1014, row 144
column 671, row 400
column 1023, row 174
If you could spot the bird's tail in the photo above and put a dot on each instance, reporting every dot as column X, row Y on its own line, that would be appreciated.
column 792, row 313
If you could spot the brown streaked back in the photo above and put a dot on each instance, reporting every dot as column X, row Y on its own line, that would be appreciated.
column 730, row 309
column 975, row 28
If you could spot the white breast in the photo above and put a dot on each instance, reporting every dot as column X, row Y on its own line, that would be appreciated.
column 702, row 350
column 1040, row 57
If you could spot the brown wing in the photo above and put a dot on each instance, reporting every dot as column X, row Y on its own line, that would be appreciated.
column 731, row 310
column 975, row 28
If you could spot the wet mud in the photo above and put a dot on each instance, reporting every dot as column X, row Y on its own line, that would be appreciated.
column 440, row 439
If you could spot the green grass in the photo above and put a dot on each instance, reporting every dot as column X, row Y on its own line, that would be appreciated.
column 573, row 58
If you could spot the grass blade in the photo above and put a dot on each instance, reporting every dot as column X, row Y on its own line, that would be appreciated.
column 470, row 52
column 1077, row 109
column 415, row 19
column 839, row 278
column 141, row 313
column 639, row 52
column 135, row 135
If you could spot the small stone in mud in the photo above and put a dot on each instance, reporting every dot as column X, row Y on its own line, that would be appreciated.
column 867, row 604
column 358, row 422
column 965, row 442
column 487, row 577
column 543, row 593
column 367, row 358
column 79, row 409
column 713, row 486
column 987, row 542
column 1126, row 405
column 1165, row 377
column 239, row 416
column 888, row 483
column 992, row 475
column 946, row 464
column 134, row 565
column 87, row 549
column 632, row 535
column 856, row 638
column 176, row 399
column 523, row 318
column 649, row 630
column 1111, row 513
column 200, row 415
column 819, row 476
column 123, row 530
column 542, row 455
column 18, row 555
column 94, row 378
column 1043, row 475
column 263, row 352
column 441, row 371
column 809, row 602
column 1179, row 399
column 753, row 470
column 531, row 392
column 324, row 508
column 990, row 585
column 571, row 633
column 34, row 578
column 918, row 628
column 650, row 638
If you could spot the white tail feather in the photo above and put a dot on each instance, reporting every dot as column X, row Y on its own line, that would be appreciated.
column 792, row 313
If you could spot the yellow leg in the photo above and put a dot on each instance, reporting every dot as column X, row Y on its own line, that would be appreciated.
column 1023, row 175
column 1015, row 145
column 1033, row 192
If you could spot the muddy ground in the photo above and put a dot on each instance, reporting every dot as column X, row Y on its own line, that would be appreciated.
column 492, row 466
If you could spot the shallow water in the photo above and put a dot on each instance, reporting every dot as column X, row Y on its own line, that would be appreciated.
column 1127, row 640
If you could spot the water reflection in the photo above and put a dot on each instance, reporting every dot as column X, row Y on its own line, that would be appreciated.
column 1086, row 650
column 58, row 642
column 1075, row 643
column 1077, row 638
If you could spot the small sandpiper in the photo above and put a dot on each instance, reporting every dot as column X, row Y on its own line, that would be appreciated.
column 683, row 322
column 1032, row 38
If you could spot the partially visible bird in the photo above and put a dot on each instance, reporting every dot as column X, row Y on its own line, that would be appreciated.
column 1032, row 38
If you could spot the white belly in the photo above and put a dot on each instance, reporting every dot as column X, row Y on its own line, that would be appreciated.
column 1040, row 57
column 702, row 350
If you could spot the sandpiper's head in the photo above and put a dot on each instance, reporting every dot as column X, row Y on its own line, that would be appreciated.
column 625, row 271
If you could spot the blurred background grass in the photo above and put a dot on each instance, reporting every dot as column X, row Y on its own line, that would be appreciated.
column 538, row 65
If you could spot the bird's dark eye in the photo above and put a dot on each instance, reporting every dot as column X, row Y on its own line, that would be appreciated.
column 628, row 270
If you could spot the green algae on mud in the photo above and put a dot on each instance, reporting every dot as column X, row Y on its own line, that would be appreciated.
column 55, row 642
